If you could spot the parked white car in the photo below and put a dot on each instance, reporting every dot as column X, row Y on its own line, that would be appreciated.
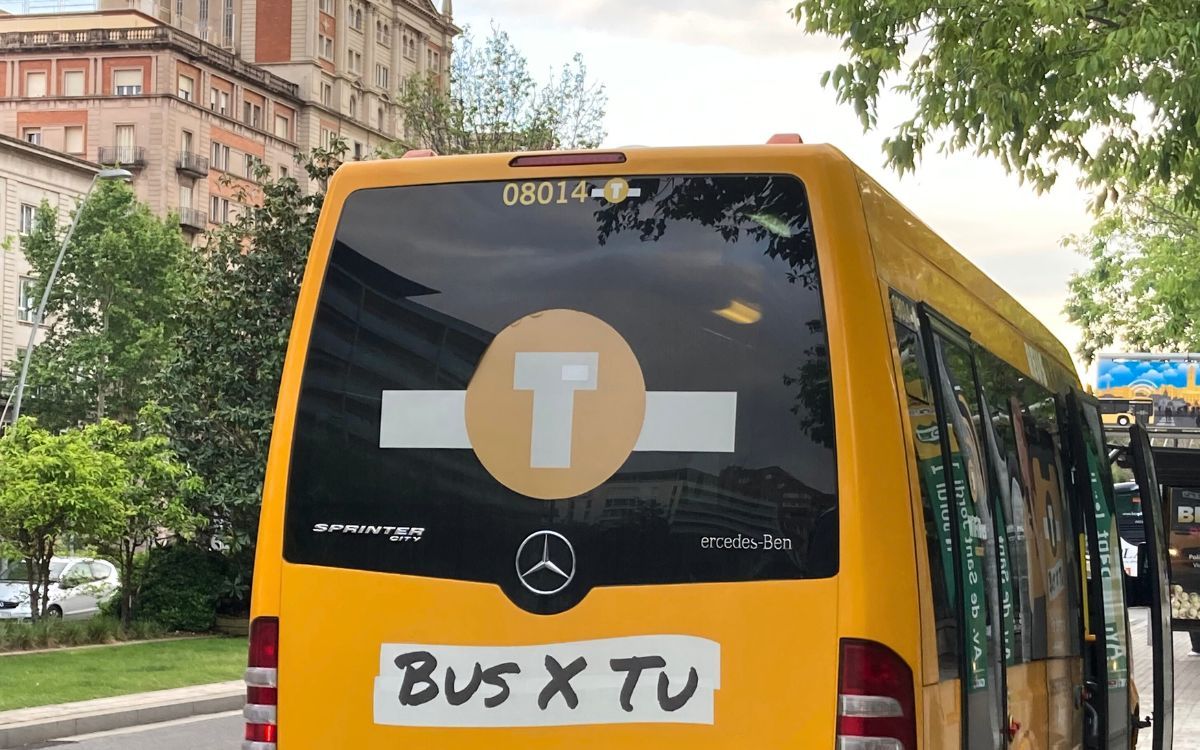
column 79, row 586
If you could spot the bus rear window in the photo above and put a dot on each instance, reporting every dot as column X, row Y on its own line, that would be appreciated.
column 636, row 365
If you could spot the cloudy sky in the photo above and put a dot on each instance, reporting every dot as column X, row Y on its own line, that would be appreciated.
column 695, row 72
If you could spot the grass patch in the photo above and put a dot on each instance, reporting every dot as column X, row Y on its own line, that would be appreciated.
column 21, row 636
column 63, row 676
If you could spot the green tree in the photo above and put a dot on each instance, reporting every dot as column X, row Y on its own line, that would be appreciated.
column 1141, row 287
column 52, row 485
column 152, row 501
column 114, row 308
column 494, row 104
column 1110, row 87
column 222, row 386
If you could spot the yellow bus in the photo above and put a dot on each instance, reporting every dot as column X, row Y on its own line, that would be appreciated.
column 674, row 448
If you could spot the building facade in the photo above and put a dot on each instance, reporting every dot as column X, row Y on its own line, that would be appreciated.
column 29, row 174
column 190, row 120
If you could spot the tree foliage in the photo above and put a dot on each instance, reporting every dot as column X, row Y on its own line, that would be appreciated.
column 222, row 387
column 152, row 500
column 494, row 104
column 1142, row 287
column 52, row 485
column 114, row 308
column 1108, row 86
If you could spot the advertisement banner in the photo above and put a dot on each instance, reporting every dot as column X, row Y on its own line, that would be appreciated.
column 1158, row 390
column 1185, row 557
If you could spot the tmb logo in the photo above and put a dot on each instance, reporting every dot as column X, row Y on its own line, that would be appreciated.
column 556, row 405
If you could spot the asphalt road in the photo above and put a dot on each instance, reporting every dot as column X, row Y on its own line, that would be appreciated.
column 215, row 732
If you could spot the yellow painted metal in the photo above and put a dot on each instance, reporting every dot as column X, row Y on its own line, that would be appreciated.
column 778, row 638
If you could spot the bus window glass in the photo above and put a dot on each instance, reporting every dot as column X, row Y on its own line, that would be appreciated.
column 1108, row 571
column 1000, row 385
column 1039, row 447
column 713, row 284
column 935, row 498
column 979, row 574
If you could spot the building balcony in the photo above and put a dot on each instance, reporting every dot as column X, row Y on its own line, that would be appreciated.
column 122, row 156
column 190, row 218
column 192, row 163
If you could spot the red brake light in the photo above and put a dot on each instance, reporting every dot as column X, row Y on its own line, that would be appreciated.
column 876, row 705
column 264, row 642
column 262, row 678
column 568, row 159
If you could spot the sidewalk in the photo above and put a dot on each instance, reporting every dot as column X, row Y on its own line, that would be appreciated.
column 1187, row 682
column 28, row 725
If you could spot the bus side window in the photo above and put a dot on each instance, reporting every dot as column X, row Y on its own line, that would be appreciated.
column 1000, row 384
column 984, row 696
column 934, row 497
column 1039, row 446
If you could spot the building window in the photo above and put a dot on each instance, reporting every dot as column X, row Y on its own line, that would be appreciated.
column 325, row 47
column 410, row 46
column 220, row 156
column 252, row 163
column 185, row 141
column 353, row 105
column 186, row 87
column 73, row 139
column 381, row 118
column 218, row 101
column 382, row 76
column 383, row 33
column 429, row 59
column 327, row 137
column 35, row 84
column 127, row 82
column 354, row 61
column 327, row 93
column 126, row 144
column 219, row 213
column 26, row 305
column 28, row 216
column 282, row 127
column 32, row 135
column 326, row 6
column 283, row 171
column 252, row 114
column 185, row 196
column 358, row 151
column 356, row 17
column 73, row 83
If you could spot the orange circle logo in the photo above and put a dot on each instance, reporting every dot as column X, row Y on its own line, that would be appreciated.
column 556, row 404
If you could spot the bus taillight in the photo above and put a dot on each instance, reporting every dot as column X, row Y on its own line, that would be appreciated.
column 876, row 707
column 262, row 680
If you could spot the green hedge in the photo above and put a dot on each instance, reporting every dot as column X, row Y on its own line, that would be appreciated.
column 181, row 586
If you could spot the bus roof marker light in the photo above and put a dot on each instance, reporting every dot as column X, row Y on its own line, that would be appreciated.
column 785, row 138
column 419, row 153
column 568, row 159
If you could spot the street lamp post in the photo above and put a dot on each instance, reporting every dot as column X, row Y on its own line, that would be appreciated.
column 15, row 399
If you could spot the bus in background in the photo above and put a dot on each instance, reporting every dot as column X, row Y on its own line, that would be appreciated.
column 659, row 448
column 1126, row 411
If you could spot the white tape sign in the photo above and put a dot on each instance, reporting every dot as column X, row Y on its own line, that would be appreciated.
column 640, row 679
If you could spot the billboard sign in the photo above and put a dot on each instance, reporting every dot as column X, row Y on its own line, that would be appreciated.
column 1160, row 390
column 1185, row 555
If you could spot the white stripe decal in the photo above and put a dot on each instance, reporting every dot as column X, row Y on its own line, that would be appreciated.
column 424, row 419
column 693, row 421
column 687, row 421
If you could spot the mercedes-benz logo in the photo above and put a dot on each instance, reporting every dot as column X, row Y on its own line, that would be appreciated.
column 545, row 562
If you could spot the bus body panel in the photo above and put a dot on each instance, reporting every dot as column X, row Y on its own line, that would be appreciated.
column 780, row 683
